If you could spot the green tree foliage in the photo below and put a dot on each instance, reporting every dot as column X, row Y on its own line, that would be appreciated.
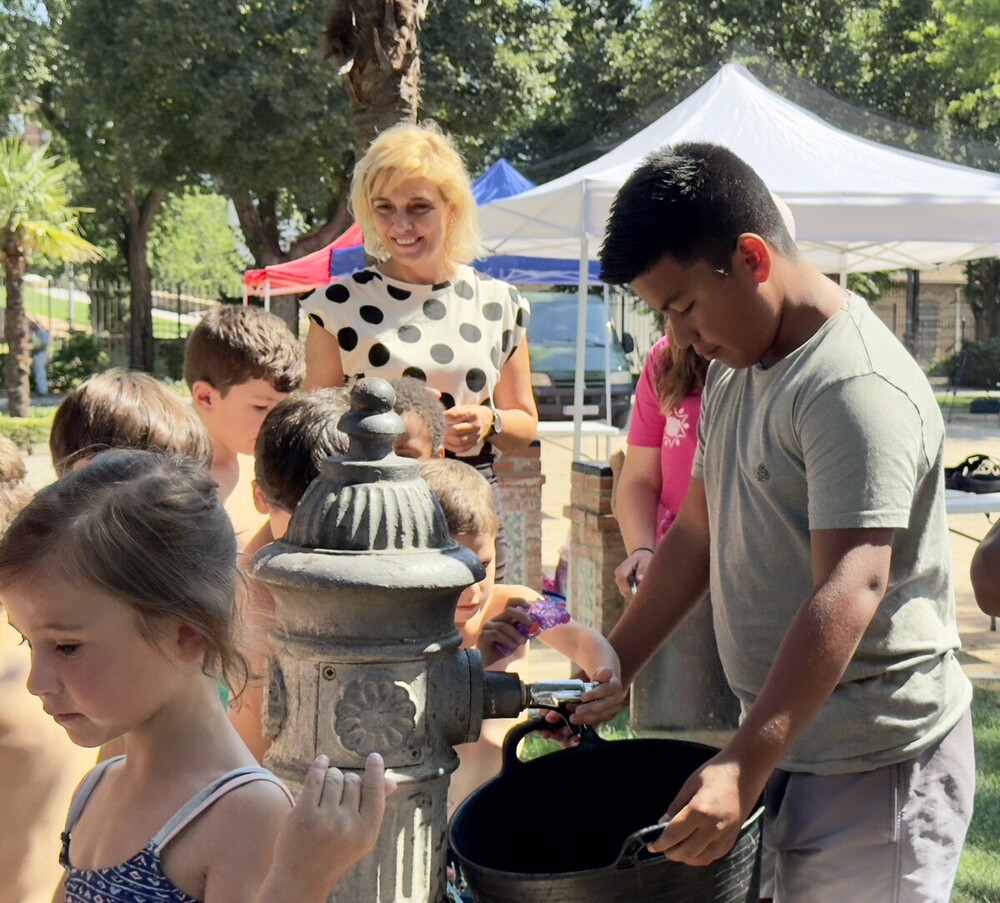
column 193, row 244
column 490, row 69
column 35, row 216
column 967, row 47
column 26, row 42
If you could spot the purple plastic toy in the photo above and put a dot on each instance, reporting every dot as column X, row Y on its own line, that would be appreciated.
column 547, row 612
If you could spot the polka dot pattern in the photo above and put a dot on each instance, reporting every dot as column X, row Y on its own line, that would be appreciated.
column 442, row 354
column 455, row 336
column 378, row 355
column 434, row 309
column 347, row 338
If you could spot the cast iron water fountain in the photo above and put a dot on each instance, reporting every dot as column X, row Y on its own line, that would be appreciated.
column 367, row 656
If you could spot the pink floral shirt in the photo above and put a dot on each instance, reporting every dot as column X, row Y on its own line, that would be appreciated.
column 675, row 434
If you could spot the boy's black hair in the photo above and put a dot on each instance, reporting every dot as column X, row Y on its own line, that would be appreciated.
column 293, row 441
column 413, row 395
column 691, row 202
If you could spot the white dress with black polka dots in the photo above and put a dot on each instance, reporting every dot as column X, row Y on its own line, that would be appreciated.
column 456, row 336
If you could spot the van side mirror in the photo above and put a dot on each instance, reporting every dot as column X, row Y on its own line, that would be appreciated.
column 628, row 343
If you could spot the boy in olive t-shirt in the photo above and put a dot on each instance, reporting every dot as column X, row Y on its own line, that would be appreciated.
column 816, row 516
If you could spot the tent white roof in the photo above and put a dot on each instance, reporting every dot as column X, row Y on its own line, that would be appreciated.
column 859, row 206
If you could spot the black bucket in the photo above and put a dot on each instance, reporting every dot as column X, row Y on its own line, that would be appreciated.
column 568, row 828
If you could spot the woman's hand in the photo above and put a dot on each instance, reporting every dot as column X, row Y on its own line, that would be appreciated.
column 465, row 426
column 631, row 570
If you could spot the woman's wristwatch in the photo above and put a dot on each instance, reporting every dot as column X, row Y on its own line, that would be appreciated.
column 496, row 425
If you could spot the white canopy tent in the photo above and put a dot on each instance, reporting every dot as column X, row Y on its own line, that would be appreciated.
column 859, row 206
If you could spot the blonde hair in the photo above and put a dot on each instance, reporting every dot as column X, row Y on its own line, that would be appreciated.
column 15, row 493
column 148, row 529
column 409, row 151
column 125, row 409
column 464, row 494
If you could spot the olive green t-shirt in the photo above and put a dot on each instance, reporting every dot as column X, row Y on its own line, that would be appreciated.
column 842, row 433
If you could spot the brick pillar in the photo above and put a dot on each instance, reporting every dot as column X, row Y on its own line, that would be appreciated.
column 519, row 475
column 596, row 548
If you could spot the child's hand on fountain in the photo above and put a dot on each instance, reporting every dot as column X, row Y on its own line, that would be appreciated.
column 334, row 825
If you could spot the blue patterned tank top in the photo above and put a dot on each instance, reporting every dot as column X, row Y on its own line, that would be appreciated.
column 140, row 879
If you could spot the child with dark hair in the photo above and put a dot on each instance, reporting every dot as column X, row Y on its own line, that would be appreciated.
column 816, row 515
column 423, row 420
column 293, row 441
column 487, row 614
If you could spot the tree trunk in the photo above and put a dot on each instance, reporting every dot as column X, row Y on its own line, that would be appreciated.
column 139, row 221
column 375, row 43
column 18, row 365
column 259, row 223
column 983, row 281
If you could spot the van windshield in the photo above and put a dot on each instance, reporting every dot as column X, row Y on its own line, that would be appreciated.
column 554, row 323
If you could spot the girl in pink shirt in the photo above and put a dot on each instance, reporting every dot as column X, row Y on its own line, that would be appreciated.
column 662, row 439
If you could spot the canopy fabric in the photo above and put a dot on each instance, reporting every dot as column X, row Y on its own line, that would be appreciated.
column 305, row 273
column 859, row 206
column 346, row 254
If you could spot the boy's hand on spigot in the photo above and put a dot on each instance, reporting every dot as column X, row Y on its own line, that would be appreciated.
column 333, row 826
column 603, row 702
column 499, row 637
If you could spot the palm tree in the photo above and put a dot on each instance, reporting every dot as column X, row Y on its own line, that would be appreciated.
column 35, row 217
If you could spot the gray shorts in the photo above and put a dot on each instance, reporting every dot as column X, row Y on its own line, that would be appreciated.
column 893, row 835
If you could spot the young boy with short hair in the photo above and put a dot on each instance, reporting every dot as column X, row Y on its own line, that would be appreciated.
column 293, row 441
column 239, row 362
column 486, row 614
column 422, row 414
column 816, row 516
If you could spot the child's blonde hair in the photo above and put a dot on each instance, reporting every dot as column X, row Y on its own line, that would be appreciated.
column 15, row 493
column 148, row 529
column 408, row 151
column 464, row 494
column 125, row 409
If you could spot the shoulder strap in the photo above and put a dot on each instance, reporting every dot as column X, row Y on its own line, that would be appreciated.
column 85, row 789
column 206, row 797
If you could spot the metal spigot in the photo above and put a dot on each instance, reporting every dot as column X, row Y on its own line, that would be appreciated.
column 551, row 694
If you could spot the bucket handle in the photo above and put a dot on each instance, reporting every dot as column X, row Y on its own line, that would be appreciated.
column 588, row 737
column 635, row 843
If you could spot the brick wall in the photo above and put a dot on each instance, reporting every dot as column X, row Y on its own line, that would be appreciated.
column 519, row 475
column 596, row 548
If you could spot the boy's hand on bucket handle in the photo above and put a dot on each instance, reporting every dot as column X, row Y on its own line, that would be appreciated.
column 704, row 820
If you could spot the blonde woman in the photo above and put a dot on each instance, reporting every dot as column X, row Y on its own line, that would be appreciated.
column 421, row 310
